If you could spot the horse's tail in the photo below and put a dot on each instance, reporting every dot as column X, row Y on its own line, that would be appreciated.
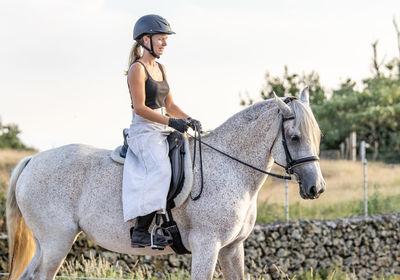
column 21, row 243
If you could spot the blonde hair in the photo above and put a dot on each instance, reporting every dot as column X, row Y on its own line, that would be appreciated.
column 134, row 55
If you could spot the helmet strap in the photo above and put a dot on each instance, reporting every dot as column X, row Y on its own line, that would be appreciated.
column 151, row 51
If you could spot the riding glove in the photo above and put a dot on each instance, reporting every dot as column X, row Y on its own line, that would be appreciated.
column 179, row 124
column 192, row 124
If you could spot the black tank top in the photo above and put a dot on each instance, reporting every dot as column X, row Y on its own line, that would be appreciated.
column 156, row 91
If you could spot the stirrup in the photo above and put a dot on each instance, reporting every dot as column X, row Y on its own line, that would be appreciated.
column 159, row 241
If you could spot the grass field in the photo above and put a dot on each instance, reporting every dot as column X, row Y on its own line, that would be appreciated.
column 343, row 195
column 100, row 268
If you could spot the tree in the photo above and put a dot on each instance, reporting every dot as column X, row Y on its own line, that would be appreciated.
column 396, row 27
column 290, row 85
column 9, row 137
column 373, row 112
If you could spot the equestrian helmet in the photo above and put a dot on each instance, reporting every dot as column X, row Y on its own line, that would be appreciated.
column 151, row 24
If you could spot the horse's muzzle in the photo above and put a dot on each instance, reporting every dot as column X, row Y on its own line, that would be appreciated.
column 311, row 192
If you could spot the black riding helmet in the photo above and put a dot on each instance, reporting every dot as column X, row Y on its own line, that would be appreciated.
column 149, row 25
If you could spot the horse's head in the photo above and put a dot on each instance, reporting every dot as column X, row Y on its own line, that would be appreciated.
column 301, row 136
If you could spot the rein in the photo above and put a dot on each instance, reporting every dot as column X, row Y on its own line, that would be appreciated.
column 290, row 163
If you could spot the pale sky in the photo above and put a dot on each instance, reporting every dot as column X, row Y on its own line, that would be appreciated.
column 62, row 61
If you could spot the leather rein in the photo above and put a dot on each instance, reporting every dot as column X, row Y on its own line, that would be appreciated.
column 290, row 162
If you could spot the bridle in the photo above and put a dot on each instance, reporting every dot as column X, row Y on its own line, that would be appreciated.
column 290, row 162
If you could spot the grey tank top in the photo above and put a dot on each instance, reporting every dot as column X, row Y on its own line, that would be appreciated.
column 156, row 91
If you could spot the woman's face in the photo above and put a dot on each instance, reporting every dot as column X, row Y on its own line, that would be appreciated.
column 159, row 43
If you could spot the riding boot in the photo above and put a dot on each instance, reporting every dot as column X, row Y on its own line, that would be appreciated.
column 140, row 233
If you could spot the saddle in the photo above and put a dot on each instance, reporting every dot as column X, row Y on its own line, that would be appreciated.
column 176, row 196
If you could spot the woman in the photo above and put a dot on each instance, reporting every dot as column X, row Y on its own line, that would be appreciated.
column 147, row 170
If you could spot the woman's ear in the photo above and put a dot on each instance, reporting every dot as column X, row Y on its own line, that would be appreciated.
column 145, row 40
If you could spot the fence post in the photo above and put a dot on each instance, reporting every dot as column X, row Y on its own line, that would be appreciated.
column 353, row 144
column 342, row 151
column 364, row 162
column 286, row 200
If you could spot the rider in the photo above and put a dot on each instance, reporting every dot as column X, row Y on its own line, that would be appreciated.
column 147, row 170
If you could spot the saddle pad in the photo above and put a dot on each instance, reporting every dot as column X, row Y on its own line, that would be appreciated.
column 188, row 183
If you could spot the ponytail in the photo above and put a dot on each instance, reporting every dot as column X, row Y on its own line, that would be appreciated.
column 135, row 54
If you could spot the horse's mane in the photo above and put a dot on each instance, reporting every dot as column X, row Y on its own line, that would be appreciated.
column 305, row 120
column 306, row 123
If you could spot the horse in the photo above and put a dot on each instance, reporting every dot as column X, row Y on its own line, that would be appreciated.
column 56, row 194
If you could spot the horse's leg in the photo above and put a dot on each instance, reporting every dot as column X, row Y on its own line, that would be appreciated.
column 52, row 246
column 231, row 259
column 204, row 256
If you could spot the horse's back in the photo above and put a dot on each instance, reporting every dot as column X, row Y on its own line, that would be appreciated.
column 55, row 180
column 76, row 188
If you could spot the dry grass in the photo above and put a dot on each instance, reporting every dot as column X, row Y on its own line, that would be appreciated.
column 8, row 159
column 12, row 157
column 344, row 182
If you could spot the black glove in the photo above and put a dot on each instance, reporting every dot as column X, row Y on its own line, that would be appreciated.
column 192, row 124
column 179, row 124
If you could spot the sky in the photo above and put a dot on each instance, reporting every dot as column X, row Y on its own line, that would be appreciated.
column 62, row 62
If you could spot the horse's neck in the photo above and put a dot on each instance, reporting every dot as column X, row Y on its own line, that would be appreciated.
column 248, row 136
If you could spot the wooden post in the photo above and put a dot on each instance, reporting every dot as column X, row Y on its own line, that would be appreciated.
column 364, row 162
column 353, row 146
column 286, row 200
column 342, row 154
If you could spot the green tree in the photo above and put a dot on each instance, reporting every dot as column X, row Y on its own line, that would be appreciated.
column 374, row 113
column 291, row 85
column 9, row 137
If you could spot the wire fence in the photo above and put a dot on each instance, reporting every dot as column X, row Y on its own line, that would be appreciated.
column 363, row 158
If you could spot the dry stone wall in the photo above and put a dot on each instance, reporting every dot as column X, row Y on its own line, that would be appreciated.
column 366, row 246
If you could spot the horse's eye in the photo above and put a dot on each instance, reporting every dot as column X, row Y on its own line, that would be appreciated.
column 295, row 138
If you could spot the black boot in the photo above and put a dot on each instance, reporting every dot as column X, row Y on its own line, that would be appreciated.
column 140, row 236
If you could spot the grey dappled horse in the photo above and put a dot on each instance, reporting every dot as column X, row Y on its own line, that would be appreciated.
column 58, row 193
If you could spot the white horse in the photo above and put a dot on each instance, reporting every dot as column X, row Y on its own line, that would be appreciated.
column 56, row 194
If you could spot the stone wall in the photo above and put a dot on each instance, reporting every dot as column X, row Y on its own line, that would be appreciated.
column 366, row 246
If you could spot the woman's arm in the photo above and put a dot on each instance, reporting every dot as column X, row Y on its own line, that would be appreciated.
column 136, row 81
column 173, row 109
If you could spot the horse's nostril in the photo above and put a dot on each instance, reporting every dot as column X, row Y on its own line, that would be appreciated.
column 313, row 191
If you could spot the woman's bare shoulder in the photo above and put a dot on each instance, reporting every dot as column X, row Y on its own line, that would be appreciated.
column 163, row 68
column 162, row 65
column 136, row 70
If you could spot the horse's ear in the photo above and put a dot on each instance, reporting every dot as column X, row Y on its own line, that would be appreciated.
column 304, row 96
column 285, row 109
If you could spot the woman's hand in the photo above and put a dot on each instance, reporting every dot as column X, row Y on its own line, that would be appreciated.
column 193, row 123
column 181, row 125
